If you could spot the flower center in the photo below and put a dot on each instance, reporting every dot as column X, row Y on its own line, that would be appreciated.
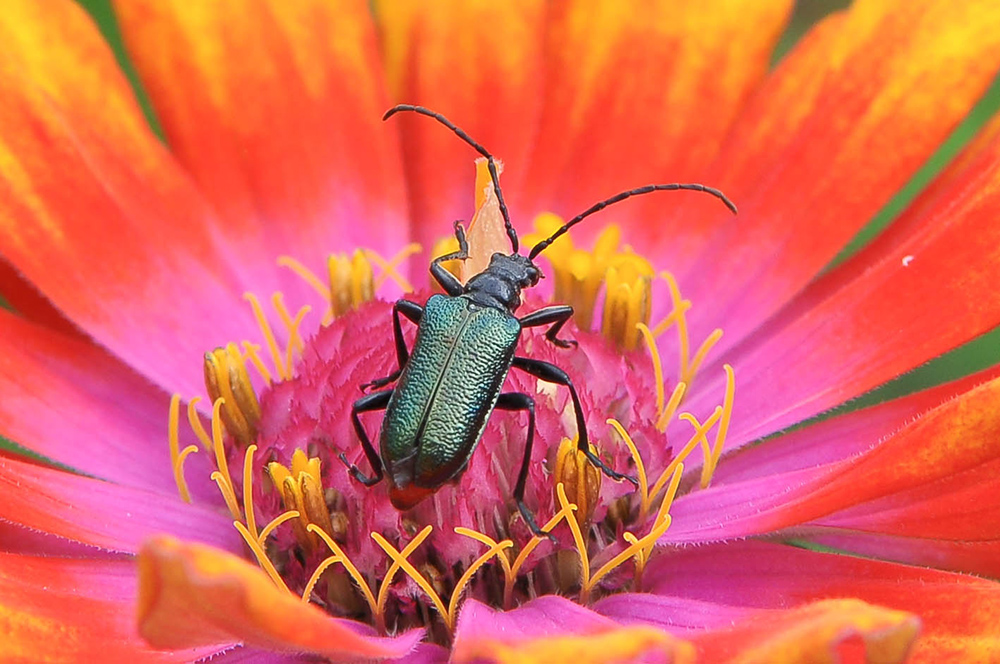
column 342, row 545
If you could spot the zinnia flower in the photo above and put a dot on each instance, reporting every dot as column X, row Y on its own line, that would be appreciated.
column 136, row 527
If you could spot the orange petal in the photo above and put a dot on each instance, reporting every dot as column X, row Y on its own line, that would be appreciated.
column 624, row 644
column 958, row 613
column 275, row 109
column 93, row 210
column 479, row 63
column 826, row 631
column 191, row 594
column 839, row 126
column 67, row 610
column 634, row 97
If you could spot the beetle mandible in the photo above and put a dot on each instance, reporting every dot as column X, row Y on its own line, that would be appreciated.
column 450, row 383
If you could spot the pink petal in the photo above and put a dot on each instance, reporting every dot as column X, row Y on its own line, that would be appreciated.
column 102, row 514
column 72, row 402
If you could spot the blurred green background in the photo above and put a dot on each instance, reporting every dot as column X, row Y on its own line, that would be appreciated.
column 976, row 355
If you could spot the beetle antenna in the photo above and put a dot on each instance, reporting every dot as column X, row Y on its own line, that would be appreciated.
column 491, row 162
column 597, row 207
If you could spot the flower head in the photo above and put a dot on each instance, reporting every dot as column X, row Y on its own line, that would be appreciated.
column 234, row 282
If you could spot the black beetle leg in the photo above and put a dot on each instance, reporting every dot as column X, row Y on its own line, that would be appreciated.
column 369, row 402
column 413, row 312
column 519, row 401
column 553, row 374
column 449, row 282
column 557, row 314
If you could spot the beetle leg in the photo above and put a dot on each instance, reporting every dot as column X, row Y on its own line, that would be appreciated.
column 449, row 282
column 369, row 402
column 550, row 373
column 557, row 315
column 519, row 401
column 413, row 312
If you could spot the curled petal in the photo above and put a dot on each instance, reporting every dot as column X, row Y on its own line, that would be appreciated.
column 191, row 594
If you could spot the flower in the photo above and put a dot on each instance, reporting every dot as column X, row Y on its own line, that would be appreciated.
column 126, row 260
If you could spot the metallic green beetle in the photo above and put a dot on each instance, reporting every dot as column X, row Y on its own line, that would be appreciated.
column 451, row 382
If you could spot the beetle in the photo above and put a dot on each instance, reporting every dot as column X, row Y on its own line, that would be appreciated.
column 450, row 382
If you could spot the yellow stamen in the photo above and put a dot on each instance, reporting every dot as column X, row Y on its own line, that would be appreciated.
column 253, row 354
column 699, row 356
column 443, row 247
column 579, row 477
column 226, row 377
column 654, row 355
column 295, row 343
column 195, row 423
column 248, row 489
column 261, row 555
column 628, row 301
column 352, row 281
column 720, row 435
column 640, row 468
column 307, row 275
column 581, row 545
column 222, row 476
column 671, row 407
column 268, row 332
column 317, row 573
column 696, row 438
column 399, row 560
column 677, row 318
column 301, row 489
column 645, row 544
column 522, row 556
column 177, row 456
column 390, row 268
column 463, row 581
column 342, row 558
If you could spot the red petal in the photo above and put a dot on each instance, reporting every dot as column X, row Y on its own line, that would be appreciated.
column 75, row 404
column 115, row 236
column 29, row 303
column 634, row 97
column 54, row 609
column 102, row 514
column 959, row 613
column 275, row 110
column 949, row 454
column 830, row 630
column 192, row 595
column 841, row 124
column 870, row 322
column 480, row 64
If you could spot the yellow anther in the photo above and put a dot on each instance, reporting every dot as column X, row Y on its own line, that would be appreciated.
column 352, row 281
column 627, row 298
column 177, row 456
column 226, row 378
column 578, row 273
column 580, row 478
column 301, row 489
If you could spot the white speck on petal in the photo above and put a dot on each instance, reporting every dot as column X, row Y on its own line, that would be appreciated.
column 907, row 260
